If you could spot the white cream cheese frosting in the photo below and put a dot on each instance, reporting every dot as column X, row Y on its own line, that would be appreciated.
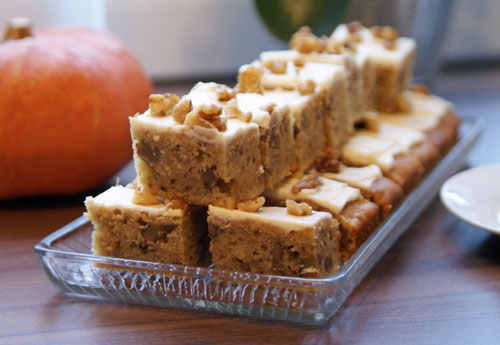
column 330, row 195
column 121, row 197
column 425, row 114
column 203, row 94
column 277, row 216
column 374, row 46
column 401, row 135
column 362, row 178
column 365, row 150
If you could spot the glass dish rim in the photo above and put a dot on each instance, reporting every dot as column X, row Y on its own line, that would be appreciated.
column 471, row 134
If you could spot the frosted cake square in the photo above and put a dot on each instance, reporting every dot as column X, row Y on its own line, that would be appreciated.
column 270, row 240
column 156, row 231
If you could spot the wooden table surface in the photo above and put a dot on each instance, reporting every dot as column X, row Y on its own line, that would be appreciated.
column 440, row 283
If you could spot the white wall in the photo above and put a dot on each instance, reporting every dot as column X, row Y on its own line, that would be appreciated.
column 177, row 39
column 191, row 38
column 474, row 30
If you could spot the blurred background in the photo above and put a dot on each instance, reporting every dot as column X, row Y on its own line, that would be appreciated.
column 189, row 39
column 182, row 41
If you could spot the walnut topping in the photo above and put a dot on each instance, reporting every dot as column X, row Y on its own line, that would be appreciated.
column 308, row 182
column 232, row 111
column 277, row 67
column 210, row 110
column 328, row 162
column 162, row 105
column 333, row 47
column 420, row 88
column 207, row 116
column 386, row 32
column 269, row 107
column 145, row 198
column 181, row 110
column 251, row 205
column 307, row 87
column 389, row 45
column 355, row 37
column 298, row 209
column 353, row 27
column 224, row 93
column 350, row 46
column 304, row 41
column 299, row 62
column 249, row 79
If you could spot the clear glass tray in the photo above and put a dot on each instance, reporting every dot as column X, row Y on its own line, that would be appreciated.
column 66, row 257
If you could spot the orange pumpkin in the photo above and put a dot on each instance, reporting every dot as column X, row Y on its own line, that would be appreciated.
column 65, row 97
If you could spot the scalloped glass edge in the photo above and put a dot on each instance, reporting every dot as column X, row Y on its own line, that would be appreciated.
column 310, row 301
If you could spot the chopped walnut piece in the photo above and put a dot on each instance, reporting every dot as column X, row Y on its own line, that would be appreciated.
column 389, row 33
column 299, row 62
column 176, row 204
column 276, row 67
column 308, row 182
column 304, row 41
column 142, row 197
column 210, row 110
column 333, row 47
column 307, row 87
column 385, row 32
column 420, row 88
column 269, row 107
column 350, row 46
column 232, row 111
column 353, row 27
column 403, row 105
column 389, row 45
column 251, row 205
column 298, row 209
column 376, row 31
column 162, row 105
column 207, row 116
column 328, row 162
column 181, row 110
column 355, row 37
column 249, row 79
column 224, row 93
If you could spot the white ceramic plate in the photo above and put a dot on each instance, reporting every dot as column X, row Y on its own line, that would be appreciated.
column 474, row 196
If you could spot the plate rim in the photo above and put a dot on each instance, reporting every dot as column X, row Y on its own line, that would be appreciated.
column 449, row 205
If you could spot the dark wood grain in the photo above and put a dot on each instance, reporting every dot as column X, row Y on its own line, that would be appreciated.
column 439, row 284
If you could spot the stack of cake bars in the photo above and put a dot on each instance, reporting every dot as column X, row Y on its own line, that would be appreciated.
column 288, row 172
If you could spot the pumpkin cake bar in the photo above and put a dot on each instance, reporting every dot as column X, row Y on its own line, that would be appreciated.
column 413, row 140
column 357, row 93
column 395, row 160
column 321, row 50
column 142, row 227
column 189, row 149
column 357, row 216
column 293, row 241
column 429, row 114
column 392, row 56
column 326, row 82
column 370, row 181
column 277, row 144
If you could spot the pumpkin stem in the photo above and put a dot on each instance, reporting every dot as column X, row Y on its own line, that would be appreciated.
column 17, row 28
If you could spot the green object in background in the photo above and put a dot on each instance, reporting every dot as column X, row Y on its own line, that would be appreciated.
column 284, row 17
